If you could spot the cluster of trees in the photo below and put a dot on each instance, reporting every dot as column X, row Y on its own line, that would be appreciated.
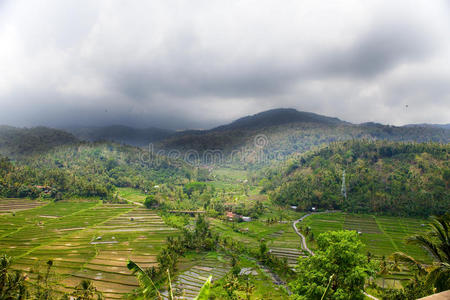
column 380, row 177
column 86, row 170
column 338, row 270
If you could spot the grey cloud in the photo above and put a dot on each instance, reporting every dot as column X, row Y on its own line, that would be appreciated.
column 155, row 66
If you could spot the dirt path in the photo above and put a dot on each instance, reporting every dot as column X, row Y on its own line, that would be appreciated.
column 302, row 237
column 135, row 203
column 305, row 246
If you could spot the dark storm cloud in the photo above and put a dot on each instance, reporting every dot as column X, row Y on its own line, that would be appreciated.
column 379, row 50
column 201, row 63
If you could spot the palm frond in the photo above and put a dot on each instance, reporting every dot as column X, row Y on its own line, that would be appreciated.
column 205, row 290
column 427, row 243
column 145, row 281
column 408, row 260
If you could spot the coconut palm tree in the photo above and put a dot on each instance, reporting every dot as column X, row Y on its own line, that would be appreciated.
column 5, row 276
column 437, row 242
column 12, row 284
column 86, row 291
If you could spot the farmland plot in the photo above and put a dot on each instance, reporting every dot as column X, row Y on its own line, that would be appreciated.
column 286, row 245
column 381, row 235
column 85, row 240
column 188, row 284
column 13, row 205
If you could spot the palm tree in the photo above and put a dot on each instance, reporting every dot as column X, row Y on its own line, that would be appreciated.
column 150, row 290
column 86, row 291
column 5, row 276
column 437, row 242
column 12, row 284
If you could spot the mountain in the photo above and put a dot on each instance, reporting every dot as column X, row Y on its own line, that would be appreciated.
column 276, row 117
column 16, row 142
column 286, row 131
column 277, row 132
column 443, row 126
column 122, row 134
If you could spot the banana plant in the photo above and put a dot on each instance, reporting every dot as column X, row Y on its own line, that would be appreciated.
column 150, row 290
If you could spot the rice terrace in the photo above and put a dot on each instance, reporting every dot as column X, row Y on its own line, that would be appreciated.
column 224, row 150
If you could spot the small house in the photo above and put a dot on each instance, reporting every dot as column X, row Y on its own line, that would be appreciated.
column 230, row 215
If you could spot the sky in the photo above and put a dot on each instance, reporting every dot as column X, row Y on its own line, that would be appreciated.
column 202, row 63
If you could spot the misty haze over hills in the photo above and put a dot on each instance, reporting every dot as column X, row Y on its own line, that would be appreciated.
column 288, row 130
column 259, row 121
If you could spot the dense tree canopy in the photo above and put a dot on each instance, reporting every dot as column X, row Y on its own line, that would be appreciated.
column 380, row 177
column 337, row 263
column 87, row 170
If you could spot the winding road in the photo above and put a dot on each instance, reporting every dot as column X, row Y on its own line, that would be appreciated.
column 305, row 246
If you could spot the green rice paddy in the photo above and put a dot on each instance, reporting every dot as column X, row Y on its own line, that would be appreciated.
column 85, row 240
column 381, row 235
column 93, row 240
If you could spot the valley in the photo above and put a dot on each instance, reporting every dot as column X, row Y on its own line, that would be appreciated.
column 112, row 219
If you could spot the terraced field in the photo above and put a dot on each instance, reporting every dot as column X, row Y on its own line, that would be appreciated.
column 281, row 238
column 381, row 235
column 187, row 284
column 86, row 240
column 286, row 244
column 12, row 205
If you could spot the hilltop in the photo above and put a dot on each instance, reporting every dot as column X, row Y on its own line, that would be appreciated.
column 16, row 142
column 287, row 131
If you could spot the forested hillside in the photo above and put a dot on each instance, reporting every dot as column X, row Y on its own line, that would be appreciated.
column 121, row 134
column 380, row 177
column 86, row 170
column 287, row 131
column 17, row 142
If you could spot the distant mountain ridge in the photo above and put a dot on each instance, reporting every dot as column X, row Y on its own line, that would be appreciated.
column 276, row 117
column 443, row 126
column 16, row 142
column 285, row 131
column 122, row 134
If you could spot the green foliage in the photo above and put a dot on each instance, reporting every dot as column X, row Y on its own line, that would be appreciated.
column 192, row 187
column 86, row 290
column 12, row 283
column 87, row 170
column 413, row 290
column 149, row 289
column 380, row 177
column 338, row 255
column 19, row 142
column 205, row 291
column 150, row 201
